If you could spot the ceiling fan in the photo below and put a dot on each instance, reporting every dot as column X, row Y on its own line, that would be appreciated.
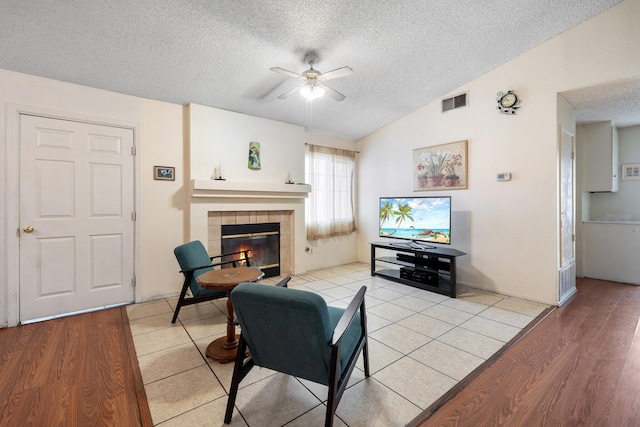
column 312, row 88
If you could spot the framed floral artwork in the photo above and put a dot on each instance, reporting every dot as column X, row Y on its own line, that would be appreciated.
column 440, row 167
column 631, row 171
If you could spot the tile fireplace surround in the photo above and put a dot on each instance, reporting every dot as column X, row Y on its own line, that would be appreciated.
column 215, row 220
column 214, row 203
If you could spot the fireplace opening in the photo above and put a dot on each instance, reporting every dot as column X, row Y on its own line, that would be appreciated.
column 262, row 240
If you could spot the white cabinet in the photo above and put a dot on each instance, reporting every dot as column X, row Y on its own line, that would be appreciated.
column 600, row 145
column 611, row 251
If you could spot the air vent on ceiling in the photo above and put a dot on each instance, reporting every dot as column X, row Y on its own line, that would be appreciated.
column 454, row 102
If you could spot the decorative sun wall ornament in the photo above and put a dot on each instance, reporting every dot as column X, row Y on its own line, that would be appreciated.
column 508, row 102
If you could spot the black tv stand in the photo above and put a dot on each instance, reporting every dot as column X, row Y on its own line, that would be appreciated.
column 412, row 245
column 431, row 269
column 419, row 245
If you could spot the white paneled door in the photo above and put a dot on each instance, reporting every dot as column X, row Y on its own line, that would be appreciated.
column 76, row 216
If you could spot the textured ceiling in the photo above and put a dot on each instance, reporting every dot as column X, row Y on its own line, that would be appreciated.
column 617, row 101
column 404, row 53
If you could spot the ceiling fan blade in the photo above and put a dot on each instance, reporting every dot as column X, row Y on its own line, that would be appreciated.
column 333, row 93
column 287, row 72
column 290, row 92
column 338, row 72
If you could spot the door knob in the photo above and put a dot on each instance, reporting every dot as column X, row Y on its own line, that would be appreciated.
column 28, row 229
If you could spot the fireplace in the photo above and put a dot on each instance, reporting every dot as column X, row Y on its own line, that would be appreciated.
column 263, row 240
column 285, row 218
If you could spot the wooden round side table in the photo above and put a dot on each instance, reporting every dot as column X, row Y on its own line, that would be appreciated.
column 224, row 348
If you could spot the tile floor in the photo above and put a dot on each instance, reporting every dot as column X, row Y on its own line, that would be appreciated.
column 420, row 345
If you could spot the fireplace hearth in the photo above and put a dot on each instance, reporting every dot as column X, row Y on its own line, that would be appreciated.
column 263, row 240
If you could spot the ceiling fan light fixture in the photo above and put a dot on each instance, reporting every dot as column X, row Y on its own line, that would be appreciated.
column 312, row 89
column 311, row 92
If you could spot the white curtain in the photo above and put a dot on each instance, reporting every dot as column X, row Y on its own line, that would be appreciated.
column 329, row 208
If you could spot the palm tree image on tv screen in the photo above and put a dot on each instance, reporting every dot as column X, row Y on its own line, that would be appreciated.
column 425, row 219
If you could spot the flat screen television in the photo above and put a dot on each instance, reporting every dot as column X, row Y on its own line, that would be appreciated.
column 416, row 219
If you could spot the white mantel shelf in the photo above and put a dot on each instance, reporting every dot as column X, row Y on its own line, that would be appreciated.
column 215, row 188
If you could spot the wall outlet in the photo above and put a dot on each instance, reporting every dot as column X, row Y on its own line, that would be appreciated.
column 308, row 250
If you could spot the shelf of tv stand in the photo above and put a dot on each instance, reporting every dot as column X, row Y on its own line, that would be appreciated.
column 426, row 262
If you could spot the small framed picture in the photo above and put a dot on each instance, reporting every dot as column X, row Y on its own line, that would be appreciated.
column 631, row 171
column 165, row 173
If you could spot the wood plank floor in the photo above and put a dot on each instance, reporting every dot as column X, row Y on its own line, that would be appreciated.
column 580, row 366
column 73, row 371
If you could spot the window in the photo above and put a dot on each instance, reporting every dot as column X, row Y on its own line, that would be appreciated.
column 329, row 208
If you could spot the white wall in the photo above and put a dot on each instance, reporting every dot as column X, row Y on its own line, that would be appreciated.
column 219, row 137
column 164, row 210
column 509, row 230
column 222, row 137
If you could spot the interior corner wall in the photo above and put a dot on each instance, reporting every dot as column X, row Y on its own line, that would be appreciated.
column 165, row 204
column 508, row 229
column 220, row 138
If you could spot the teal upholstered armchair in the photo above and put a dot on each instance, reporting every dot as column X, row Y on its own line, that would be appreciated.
column 296, row 333
column 194, row 261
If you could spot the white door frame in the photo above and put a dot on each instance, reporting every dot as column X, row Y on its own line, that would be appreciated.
column 562, row 295
column 13, row 195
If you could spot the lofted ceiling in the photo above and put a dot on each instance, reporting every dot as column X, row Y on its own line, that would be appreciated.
column 217, row 53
